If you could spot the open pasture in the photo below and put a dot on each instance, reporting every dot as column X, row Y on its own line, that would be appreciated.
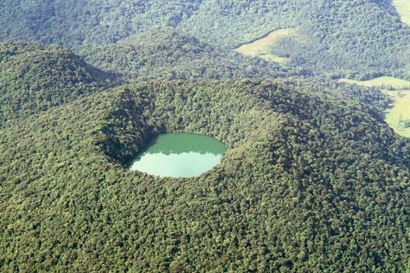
column 403, row 8
column 260, row 48
column 382, row 82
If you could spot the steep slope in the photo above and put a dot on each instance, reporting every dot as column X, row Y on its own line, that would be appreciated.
column 78, row 21
column 337, row 36
column 34, row 78
column 166, row 54
column 340, row 36
column 350, row 38
column 307, row 184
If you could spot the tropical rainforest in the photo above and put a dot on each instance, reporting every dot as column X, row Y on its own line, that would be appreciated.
column 313, row 178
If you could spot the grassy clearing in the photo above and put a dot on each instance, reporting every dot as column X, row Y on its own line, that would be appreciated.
column 382, row 82
column 403, row 8
column 399, row 90
column 260, row 48
column 399, row 114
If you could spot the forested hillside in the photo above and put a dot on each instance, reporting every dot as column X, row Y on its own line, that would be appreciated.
column 78, row 21
column 350, row 39
column 306, row 185
column 166, row 54
column 313, row 179
column 34, row 78
column 359, row 38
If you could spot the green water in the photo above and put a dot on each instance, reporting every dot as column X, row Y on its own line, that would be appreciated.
column 179, row 155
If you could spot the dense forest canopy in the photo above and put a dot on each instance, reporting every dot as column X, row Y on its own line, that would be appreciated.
column 339, row 36
column 35, row 78
column 166, row 54
column 304, row 183
column 313, row 179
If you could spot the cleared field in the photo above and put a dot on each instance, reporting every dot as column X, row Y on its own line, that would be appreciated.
column 403, row 8
column 399, row 114
column 260, row 48
column 382, row 82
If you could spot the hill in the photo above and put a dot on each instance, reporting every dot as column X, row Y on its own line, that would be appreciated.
column 313, row 179
column 308, row 183
column 79, row 22
column 166, row 54
column 360, row 38
column 34, row 78
column 349, row 39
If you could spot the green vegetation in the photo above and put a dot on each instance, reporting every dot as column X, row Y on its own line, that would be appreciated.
column 397, row 113
column 307, row 184
column 398, row 116
column 183, row 142
column 261, row 47
column 346, row 41
column 382, row 82
column 79, row 22
column 340, row 92
column 165, row 54
column 360, row 38
column 35, row 78
column 313, row 179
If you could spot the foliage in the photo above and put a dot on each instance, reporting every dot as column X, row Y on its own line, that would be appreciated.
column 348, row 38
column 382, row 82
column 83, row 22
column 307, row 184
column 398, row 113
column 165, row 54
column 336, row 91
column 35, row 78
column 361, row 38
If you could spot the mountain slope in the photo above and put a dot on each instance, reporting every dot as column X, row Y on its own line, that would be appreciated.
column 34, row 78
column 77, row 22
column 166, row 54
column 307, row 184
column 340, row 37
